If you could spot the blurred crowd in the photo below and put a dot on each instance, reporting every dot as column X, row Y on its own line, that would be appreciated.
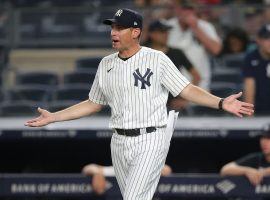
column 216, row 43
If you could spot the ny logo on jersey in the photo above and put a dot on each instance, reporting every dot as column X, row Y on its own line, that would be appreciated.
column 145, row 79
column 119, row 12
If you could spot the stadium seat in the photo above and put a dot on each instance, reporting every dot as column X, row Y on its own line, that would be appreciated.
column 18, row 108
column 79, row 77
column 88, row 64
column 29, row 26
column 61, row 25
column 234, row 61
column 71, row 93
column 228, row 76
column 40, row 78
column 33, row 93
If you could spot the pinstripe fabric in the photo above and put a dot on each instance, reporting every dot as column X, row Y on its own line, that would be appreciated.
column 133, row 107
column 137, row 92
column 138, row 162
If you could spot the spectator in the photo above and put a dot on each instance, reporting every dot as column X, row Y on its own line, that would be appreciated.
column 99, row 173
column 255, row 165
column 256, row 73
column 196, row 38
column 236, row 41
column 158, row 36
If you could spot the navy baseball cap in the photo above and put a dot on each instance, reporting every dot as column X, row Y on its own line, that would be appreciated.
column 159, row 25
column 126, row 18
column 264, row 31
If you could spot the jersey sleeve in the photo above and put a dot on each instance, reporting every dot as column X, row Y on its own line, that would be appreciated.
column 171, row 77
column 96, row 95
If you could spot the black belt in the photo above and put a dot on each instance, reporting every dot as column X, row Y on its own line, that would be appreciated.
column 134, row 132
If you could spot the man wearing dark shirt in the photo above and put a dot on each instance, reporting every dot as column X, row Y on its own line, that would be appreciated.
column 255, row 165
column 256, row 71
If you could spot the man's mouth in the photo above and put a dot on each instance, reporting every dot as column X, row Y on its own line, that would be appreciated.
column 114, row 41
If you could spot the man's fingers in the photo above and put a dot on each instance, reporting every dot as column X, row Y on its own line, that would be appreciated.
column 236, row 96
column 248, row 105
column 40, row 110
column 246, row 111
column 33, row 120
column 35, row 124
column 238, row 114
column 31, row 124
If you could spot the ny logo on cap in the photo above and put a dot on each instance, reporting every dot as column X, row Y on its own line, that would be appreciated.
column 119, row 12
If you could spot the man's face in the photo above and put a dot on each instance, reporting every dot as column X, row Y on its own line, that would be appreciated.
column 183, row 13
column 122, row 37
column 235, row 44
column 159, row 37
column 265, row 145
column 264, row 44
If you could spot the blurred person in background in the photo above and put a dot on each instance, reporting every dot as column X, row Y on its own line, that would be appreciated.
column 195, row 37
column 254, row 19
column 256, row 72
column 236, row 41
column 254, row 166
column 100, row 172
column 158, row 31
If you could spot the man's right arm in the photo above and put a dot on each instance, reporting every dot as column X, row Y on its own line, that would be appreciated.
column 233, row 169
column 254, row 176
column 76, row 111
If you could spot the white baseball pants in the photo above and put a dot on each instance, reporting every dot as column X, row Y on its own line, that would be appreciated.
column 138, row 161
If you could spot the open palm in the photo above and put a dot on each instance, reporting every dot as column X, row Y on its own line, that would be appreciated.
column 232, row 105
column 45, row 118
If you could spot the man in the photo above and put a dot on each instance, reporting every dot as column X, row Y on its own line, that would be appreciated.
column 255, row 165
column 135, row 83
column 158, row 37
column 99, row 174
column 256, row 71
column 195, row 37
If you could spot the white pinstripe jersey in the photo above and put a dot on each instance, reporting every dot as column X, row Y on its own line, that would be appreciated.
column 137, row 89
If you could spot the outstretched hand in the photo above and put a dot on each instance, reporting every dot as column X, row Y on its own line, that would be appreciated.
column 232, row 105
column 45, row 118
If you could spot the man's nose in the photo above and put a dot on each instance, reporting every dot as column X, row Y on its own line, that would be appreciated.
column 113, row 32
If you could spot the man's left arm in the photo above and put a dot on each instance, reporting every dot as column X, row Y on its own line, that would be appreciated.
column 230, row 104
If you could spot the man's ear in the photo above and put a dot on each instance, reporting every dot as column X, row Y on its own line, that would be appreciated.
column 136, row 32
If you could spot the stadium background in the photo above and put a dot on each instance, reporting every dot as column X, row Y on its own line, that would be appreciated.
column 49, row 50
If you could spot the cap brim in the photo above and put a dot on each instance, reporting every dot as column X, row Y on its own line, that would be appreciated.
column 109, row 21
